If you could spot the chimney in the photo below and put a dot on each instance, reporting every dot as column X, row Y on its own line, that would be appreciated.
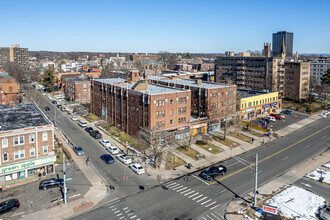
column 198, row 81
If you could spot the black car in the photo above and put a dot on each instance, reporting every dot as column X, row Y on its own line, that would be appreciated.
column 54, row 102
column 9, row 205
column 95, row 134
column 50, row 183
column 89, row 129
column 47, row 108
column 212, row 172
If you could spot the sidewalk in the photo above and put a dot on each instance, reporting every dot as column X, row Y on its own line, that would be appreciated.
column 236, row 208
column 95, row 195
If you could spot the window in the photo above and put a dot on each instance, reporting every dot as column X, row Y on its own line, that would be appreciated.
column 85, row 86
column 4, row 143
column 5, row 157
column 171, row 101
column 163, row 113
column 45, row 149
column 157, row 114
column 185, row 99
column 163, row 102
column 163, row 123
column 156, row 124
column 179, row 120
column 22, row 153
column 32, row 138
column 32, row 152
column 179, row 110
column 179, row 100
column 16, row 155
column 44, row 136
column 157, row 103
column 171, row 122
column 171, row 112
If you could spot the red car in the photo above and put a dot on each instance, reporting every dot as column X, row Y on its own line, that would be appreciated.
column 277, row 116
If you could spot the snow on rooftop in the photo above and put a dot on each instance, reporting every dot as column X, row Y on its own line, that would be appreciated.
column 298, row 203
column 318, row 173
column 154, row 89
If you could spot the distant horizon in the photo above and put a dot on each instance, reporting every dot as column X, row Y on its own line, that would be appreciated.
column 175, row 26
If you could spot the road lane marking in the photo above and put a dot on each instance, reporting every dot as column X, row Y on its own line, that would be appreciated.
column 306, row 184
column 201, row 180
column 125, row 208
column 74, row 196
column 204, row 218
column 170, row 183
column 175, row 188
column 181, row 189
column 285, row 158
column 189, row 193
column 197, row 197
column 122, row 217
column 270, row 156
column 215, row 216
column 223, row 191
column 215, row 207
column 306, row 147
column 206, row 202
column 193, row 195
column 116, row 211
column 201, row 199
column 17, row 214
column 111, row 200
column 130, row 214
column 184, row 191
column 210, row 204
column 133, row 216
column 233, row 164
column 209, row 217
column 120, row 214
column 322, row 137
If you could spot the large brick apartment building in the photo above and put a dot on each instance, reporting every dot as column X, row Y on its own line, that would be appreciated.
column 27, row 144
column 162, row 109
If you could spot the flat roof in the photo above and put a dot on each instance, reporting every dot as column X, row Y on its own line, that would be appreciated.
column 154, row 89
column 23, row 115
column 251, row 93
column 111, row 81
column 189, row 82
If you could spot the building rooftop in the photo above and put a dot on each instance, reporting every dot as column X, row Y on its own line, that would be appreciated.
column 153, row 89
column 90, row 63
column 23, row 115
column 245, row 93
column 152, row 62
column 111, row 81
column 189, row 82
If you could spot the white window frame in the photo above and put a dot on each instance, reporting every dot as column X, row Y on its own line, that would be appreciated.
column 4, row 143
column 21, row 140
column 44, row 138
column 16, row 153
column 20, row 154
column 43, row 149
column 34, row 139
column 15, row 138
column 32, row 150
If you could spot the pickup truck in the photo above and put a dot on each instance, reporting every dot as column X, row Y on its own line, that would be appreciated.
column 213, row 172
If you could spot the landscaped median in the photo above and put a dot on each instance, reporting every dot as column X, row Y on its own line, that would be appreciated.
column 209, row 147
column 240, row 136
column 226, row 142
column 173, row 161
column 189, row 152
column 91, row 117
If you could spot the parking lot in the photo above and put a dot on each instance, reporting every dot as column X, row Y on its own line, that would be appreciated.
column 284, row 122
column 32, row 199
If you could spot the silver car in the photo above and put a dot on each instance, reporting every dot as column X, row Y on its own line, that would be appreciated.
column 325, row 213
column 79, row 151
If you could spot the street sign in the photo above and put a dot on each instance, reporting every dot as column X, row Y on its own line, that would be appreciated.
column 68, row 179
column 269, row 209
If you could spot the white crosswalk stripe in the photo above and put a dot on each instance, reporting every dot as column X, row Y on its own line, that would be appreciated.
column 169, row 184
column 210, row 204
column 214, row 207
column 178, row 187
column 209, row 217
column 215, row 216
column 201, row 199
column 206, row 202
column 182, row 189
column 197, row 197
column 175, row 185
column 187, row 190
column 189, row 193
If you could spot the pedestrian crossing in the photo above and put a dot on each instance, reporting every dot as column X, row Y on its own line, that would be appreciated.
column 195, row 196
column 121, row 213
column 212, row 216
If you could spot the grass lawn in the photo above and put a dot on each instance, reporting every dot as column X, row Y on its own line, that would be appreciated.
column 240, row 136
column 136, row 144
column 215, row 149
column 91, row 117
column 315, row 106
column 190, row 153
column 254, row 133
column 177, row 161
column 226, row 142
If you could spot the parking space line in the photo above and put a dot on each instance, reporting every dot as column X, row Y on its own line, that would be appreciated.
column 116, row 211
column 130, row 214
column 181, row 189
column 210, row 204
column 122, row 217
column 201, row 180
column 193, row 195
column 189, row 193
column 215, row 207
column 125, row 208
column 113, row 209
column 133, row 216
column 202, row 199
column 120, row 214
column 197, row 197
column 185, row 191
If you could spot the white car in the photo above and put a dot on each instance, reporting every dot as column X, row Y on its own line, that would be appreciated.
column 51, row 98
column 271, row 118
column 112, row 149
column 82, row 124
column 137, row 168
column 74, row 118
column 105, row 142
column 124, row 158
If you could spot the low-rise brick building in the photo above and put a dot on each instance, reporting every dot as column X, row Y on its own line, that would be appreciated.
column 152, row 67
column 27, row 144
column 9, row 91
column 78, row 89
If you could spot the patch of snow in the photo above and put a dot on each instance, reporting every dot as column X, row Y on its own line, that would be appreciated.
column 327, row 165
column 295, row 202
column 316, row 175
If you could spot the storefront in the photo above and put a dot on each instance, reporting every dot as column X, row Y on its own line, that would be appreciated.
column 198, row 129
column 29, row 168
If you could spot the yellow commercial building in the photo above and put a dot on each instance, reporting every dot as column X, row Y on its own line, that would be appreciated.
column 255, row 104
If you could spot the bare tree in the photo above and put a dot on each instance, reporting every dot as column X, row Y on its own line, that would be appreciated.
column 169, row 59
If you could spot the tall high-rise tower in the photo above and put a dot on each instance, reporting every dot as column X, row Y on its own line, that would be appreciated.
column 278, row 38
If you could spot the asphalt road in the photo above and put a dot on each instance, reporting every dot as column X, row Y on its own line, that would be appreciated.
column 197, row 199
column 112, row 173
column 315, row 187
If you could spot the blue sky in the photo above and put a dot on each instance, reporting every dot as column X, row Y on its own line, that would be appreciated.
column 153, row 26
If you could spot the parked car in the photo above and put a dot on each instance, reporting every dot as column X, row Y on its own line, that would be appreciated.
column 289, row 112
column 105, row 142
column 47, row 108
column 137, row 168
column 50, row 183
column 276, row 116
column 63, row 109
column 112, row 149
column 89, row 129
column 95, row 134
column 9, row 205
column 74, row 118
column 59, row 106
column 324, row 212
column 54, row 102
column 107, row 158
column 78, row 150
column 82, row 123
column 124, row 158
column 212, row 172
column 271, row 118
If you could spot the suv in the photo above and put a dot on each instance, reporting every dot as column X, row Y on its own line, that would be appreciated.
column 50, row 183
column 212, row 172
column 82, row 123
column 95, row 134
column 9, row 205
column 89, row 129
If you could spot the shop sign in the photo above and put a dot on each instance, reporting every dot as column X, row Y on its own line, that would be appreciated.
column 269, row 209
column 259, row 107
column 243, row 111
column 266, row 109
column 272, row 104
column 264, row 106
column 198, row 126
column 181, row 128
column 27, row 165
column 251, row 109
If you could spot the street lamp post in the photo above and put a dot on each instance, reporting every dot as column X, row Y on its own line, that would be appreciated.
column 256, row 182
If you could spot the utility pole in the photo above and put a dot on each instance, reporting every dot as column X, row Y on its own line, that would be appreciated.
column 256, row 182
column 64, row 184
